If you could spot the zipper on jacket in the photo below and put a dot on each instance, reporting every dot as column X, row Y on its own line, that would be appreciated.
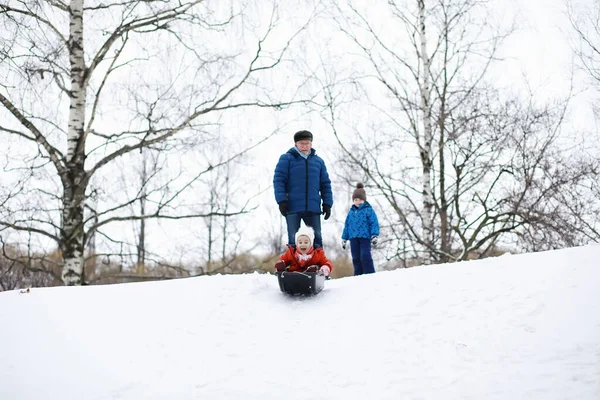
column 306, row 186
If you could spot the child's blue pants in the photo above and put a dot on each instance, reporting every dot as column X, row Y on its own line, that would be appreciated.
column 361, row 256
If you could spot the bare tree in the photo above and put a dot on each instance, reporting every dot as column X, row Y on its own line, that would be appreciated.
column 226, row 232
column 68, row 103
column 21, row 269
column 147, row 167
column 460, row 164
column 515, row 177
column 585, row 22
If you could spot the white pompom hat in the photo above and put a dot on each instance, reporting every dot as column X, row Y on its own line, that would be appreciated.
column 305, row 231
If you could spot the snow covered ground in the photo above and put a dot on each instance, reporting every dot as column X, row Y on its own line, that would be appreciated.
column 513, row 327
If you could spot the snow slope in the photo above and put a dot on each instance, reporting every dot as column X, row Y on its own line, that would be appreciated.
column 512, row 327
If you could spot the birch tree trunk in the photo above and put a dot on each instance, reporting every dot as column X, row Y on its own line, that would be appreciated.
column 425, row 145
column 141, row 245
column 211, row 230
column 224, row 231
column 72, row 233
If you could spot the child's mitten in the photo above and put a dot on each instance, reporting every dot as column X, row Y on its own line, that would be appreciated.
column 324, row 270
column 280, row 266
column 374, row 241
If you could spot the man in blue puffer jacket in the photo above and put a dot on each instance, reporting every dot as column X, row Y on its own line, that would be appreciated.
column 301, row 183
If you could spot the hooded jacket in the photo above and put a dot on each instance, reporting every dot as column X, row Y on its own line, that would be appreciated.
column 361, row 222
column 300, row 262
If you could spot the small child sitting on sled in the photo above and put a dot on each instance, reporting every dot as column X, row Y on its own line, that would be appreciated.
column 304, row 258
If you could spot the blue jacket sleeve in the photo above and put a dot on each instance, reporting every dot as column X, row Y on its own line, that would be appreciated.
column 326, row 192
column 345, row 233
column 373, row 222
column 280, row 178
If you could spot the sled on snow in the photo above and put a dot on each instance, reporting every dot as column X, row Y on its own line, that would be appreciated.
column 300, row 283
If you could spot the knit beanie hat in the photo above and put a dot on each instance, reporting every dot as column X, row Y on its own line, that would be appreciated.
column 305, row 231
column 359, row 192
column 303, row 135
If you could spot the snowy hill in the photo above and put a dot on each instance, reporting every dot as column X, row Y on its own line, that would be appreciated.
column 513, row 327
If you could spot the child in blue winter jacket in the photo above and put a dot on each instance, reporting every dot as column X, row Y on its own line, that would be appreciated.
column 362, row 229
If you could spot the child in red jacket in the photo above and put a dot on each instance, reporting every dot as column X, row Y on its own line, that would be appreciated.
column 304, row 258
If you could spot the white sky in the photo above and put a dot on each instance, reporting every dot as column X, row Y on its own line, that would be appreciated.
column 514, row 327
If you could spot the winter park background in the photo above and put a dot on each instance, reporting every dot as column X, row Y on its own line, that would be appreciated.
column 137, row 144
column 149, row 153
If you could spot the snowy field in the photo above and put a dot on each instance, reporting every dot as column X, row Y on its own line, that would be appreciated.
column 512, row 327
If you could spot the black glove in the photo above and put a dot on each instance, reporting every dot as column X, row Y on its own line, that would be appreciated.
column 283, row 207
column 374, row 241
column 327, row 210
column 344, row 244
